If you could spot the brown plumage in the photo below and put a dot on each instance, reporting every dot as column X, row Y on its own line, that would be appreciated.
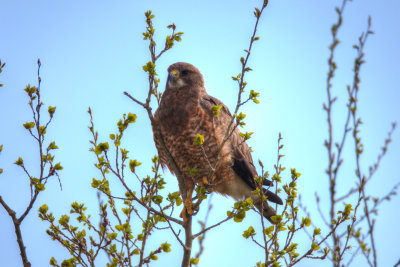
column 185, row 110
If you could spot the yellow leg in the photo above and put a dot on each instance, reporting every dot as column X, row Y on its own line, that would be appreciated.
column 188, row 201
column 188, row 206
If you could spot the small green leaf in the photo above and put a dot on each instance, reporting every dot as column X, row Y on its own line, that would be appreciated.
column 171, row 26
column 64, row 220
column 133, row 164
column 157, row 199
column 194, row 261
column 42, row 129
column 269, row 230
column 253, row 94
column 249, row 201
column 249, row 232
column 51, row 111
column 240, row 116
column 95, row 183
column 276, row 218
column 29, row 125
column 317, row 231
column 306, row 221
column 150, row 68
column 294, row 173
column 347, row 210
column 126, row 211
column 69, row 263
column 240, row 216
column 113, row 249
column 199, row 139
column 19, row 162
column 101, row 148
column 43, row 209
column 53, row 262
column 30, row 90
column 58, row 167
column 39, row 187
column 246, row 135
column 239, row 119
column 314, row 246
column 166, row 247
column 52, row 145
column 131, row 118
column 216, row 110
column 358, row 233
column 112, row 236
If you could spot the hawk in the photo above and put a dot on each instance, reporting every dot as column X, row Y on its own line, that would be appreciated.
column 186, row 111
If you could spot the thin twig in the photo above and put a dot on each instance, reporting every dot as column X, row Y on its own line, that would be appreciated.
column 212, row 226
column 332, row 171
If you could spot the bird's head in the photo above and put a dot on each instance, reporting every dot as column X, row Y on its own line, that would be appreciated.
column 182, row 74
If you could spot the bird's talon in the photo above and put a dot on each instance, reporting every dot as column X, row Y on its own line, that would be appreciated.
column 183, row 214
column 189, row 205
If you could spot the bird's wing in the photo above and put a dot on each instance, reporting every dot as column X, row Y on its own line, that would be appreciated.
column 242, row 160
column 161, row 154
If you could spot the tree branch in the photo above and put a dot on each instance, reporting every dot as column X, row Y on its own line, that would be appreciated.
column 17, row 227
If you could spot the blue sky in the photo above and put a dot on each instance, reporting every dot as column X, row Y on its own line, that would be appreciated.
column 92, row 51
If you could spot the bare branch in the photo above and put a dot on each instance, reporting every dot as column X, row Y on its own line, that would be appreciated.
column 211, row 227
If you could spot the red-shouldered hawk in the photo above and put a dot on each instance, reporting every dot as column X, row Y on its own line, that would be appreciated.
column 186, row 110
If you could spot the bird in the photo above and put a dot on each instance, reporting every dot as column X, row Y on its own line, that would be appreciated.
column 186, row 112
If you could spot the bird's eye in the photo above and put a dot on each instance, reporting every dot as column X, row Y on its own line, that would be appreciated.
column 185, row 72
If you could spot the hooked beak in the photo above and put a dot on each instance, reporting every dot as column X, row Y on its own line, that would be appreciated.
column 173, row 76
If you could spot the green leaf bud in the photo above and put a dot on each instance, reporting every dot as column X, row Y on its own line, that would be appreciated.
column 51, row 111
column 199, row 139
column 58, row 167
column 133, row 164
column 29, row 125
column 19, row 162
column 102, row 147
column 131, row 118
column 249, row 232
column 166, row 247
